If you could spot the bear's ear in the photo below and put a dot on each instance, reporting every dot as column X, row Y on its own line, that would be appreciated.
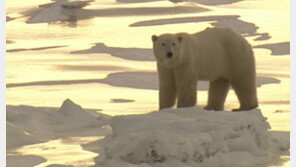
column 180, row 38
column 154, row 38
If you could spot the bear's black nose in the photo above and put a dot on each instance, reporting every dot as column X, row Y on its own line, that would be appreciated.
column 170, row 54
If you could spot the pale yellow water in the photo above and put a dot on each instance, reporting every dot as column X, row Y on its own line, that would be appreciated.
column 63, row 151
column 271, row 16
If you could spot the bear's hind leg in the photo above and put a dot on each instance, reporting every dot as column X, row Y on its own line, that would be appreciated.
column 217, row 94
column 245, row 89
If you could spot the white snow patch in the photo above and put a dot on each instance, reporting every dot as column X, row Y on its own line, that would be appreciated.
column 187, row 137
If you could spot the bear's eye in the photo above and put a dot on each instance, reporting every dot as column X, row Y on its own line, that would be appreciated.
column 162, row 44
column 174, row 44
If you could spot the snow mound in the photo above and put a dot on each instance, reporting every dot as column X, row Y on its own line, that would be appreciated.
column 54, row 11
column 71, row 110
column 25, row 122
column 187, row 137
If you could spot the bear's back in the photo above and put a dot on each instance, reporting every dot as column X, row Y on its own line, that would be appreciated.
column 232, row 42
column 236, row 47
column 221, row 50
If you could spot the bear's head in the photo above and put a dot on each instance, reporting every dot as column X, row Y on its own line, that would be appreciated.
column 167, row 50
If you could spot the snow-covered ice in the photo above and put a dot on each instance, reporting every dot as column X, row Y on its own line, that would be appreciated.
column 17, row 137
column 188, row 137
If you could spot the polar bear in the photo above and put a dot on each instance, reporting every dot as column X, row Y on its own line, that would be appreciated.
column 218, row 55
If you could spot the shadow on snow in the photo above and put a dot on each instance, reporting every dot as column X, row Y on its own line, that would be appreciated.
column 229, row 21
column 137, row 80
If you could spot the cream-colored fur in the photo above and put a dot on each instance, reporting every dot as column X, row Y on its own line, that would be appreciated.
column 220, row 56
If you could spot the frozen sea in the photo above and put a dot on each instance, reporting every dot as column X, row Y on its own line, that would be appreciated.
column 98, row 54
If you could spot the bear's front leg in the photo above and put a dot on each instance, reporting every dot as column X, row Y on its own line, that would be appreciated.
column 186, row 88
column 167, row 87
